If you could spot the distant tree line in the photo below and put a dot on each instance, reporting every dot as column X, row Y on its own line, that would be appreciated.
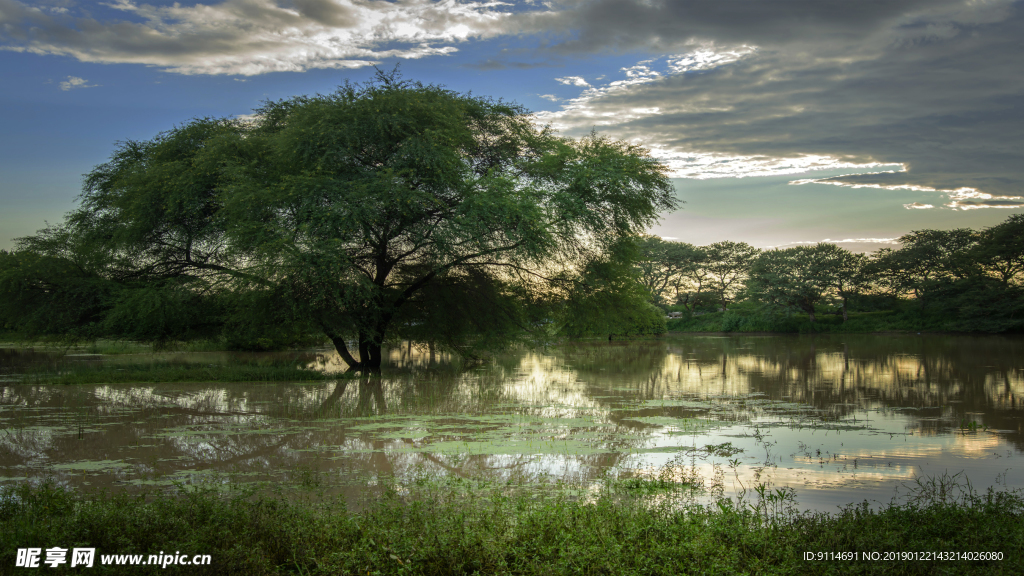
column 968, row 279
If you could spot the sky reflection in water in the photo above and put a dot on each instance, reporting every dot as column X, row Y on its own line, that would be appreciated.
column 840, row 418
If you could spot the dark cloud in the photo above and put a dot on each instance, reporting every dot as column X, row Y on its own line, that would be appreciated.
column 665, row 25
column 327, row 12
column 941, row 92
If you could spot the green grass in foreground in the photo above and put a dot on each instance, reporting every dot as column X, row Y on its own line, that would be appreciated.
column 178, row 372
column 459, row 527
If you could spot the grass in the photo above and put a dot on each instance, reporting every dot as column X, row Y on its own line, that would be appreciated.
column 746, row 318
column 112, row 347
column 77, row 373
column 462, row 527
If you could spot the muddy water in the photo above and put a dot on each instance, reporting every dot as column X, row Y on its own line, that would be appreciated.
column 838, row 419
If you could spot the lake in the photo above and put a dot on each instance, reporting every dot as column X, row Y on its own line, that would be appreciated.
column 837, row 419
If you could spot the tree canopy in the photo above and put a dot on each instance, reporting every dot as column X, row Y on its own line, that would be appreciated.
column 958, row 279
column 365, row 213
column 805, row 277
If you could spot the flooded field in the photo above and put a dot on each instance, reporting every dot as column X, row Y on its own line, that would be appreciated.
column 837, row 419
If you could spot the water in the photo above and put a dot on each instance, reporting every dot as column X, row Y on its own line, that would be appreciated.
column 838, row 419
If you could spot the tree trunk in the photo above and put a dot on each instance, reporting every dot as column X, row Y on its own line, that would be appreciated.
column 374, row 356
column 343, row 351
column 370, row 352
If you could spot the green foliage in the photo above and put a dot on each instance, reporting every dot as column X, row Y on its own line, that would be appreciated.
column 458, row 528
column 807, row 277
column 789, row 278
column 343, row 208
column 956, row 280
column 727, row 265
column 263, row 319
column 469, row 312
column 1000, row 250
column 606, row 299
column 698, row 278
column 161, row 312
column 927, row 259
column 754, row 317
column 669, row 270
column 49, row 295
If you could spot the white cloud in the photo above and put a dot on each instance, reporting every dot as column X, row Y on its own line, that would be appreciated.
column 574, row 81
column 551, row 97
column 860, row 243
column 707, row 58
column 850, row 241
column 75, row 82
column 960, row 198
column 706, row 165
column 971, row 199
column 607, row 106
column 247, row 37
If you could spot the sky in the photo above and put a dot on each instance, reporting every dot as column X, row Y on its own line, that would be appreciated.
column 783, row 122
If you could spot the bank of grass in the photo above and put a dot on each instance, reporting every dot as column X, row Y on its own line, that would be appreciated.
column 112, row 347
column 453, row 529
column 70, row 373
column 747, row 317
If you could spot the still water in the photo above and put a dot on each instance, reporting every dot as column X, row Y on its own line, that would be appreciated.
column 839, row 419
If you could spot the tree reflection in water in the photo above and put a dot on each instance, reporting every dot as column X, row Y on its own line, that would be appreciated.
column 577, row 411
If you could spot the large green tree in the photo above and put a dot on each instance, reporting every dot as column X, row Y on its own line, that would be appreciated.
column 354, row 208
column 926, row 261
column 661, row 265
column 727, row 265
column 1001, row 250
column 791, row 277
column 843, row 273
column 607, row 296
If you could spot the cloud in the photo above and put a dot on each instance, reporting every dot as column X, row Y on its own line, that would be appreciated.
column 852, row 244
column 847, row 241
column 664, row 26
column 75, row 82
column 862, row 241
column 573, row 81
column 551, row 97
column 960, row 198
column 970, row 199
column 931, row 88
column 930, row 91
column 247, row 37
